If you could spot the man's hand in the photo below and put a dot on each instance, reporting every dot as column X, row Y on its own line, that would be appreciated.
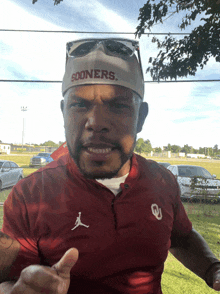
column 213, row 276
column 216, row 283
column 47, row 280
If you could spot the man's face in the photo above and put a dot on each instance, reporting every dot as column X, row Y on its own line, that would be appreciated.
column 101, row 123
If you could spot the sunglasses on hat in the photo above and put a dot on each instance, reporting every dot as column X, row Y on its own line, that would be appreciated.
column 118, row 47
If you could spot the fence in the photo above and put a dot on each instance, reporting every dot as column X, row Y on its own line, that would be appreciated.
column 28, row 148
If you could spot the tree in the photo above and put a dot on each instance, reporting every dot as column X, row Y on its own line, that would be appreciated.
column 182, row 57
column 201, row 150
column 195, row 151
column 175, row 148
column 215, row 149
column 140, row 145
column 143, row 146
column 157, row 150
column 49, row 144
column 168, row 147
column 186, row 148
column 148, row 147
column 210, row 151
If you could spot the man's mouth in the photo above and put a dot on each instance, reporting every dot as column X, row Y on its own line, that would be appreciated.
column 99, row 150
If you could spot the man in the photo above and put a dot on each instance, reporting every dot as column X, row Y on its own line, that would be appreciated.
column 120, row 212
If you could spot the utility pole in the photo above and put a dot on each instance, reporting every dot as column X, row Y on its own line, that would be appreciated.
column 23, row 108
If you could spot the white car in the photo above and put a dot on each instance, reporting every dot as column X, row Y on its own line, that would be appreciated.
column 165, row 164
column 196, row 182
column 10, row 174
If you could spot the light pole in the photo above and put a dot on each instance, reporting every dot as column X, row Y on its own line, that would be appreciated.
column 23, row 108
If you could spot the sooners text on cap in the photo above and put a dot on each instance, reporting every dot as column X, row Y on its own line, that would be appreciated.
column 93, row 74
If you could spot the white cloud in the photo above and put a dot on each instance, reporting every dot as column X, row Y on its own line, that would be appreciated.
column 174, row 118
column 101, row 16
column 14, row 16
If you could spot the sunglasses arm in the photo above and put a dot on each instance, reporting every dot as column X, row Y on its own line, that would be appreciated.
column 139, row 57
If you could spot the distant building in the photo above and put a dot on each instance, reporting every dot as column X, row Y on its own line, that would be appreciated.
column 191, row 155
column 5, row 148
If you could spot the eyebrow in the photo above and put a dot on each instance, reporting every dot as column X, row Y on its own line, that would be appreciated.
column 113, row 99
column 76, row 97
column 121, row 98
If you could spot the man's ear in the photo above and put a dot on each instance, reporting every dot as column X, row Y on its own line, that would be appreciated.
column 62, row 105
column 143, row 112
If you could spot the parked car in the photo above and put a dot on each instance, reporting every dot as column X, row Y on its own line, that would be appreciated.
column 165, row 164
column 196, row 182
column 10, row 174
column 41, row 159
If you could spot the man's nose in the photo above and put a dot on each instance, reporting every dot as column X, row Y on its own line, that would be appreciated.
column 97, row 120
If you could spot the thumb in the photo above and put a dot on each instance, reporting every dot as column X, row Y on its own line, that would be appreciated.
column 65, row 264
column 216, row 284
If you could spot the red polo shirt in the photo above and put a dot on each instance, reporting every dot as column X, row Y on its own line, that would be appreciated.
column 123, row 241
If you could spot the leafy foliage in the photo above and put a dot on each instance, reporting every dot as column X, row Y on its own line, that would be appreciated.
column 208, row 151
column 175, row 148
column 143, row 146
column 49, row 143
column 182, row 57
column 56, row 2
column 186, row 148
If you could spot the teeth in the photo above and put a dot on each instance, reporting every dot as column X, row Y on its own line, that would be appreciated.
column 96, row 150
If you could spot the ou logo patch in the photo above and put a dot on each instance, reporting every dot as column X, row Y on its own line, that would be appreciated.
column 156, row 211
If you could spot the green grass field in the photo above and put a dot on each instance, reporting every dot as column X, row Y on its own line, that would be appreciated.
column 22, row 160
column 176, row 278
column 213, row 166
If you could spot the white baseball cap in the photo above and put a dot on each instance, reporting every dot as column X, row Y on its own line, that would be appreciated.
column 104, row 61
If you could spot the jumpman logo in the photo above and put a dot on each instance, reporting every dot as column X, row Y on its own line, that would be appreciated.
column 79, row 223
column 156, row 211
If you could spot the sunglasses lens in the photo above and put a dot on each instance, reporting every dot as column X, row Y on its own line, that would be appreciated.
column 82, row 49
column 118, row 48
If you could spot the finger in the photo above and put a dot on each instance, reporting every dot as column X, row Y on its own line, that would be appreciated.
column 216, row 285
column 216, row 279
column 38, row 278
column 65, row 264
column 21, row 288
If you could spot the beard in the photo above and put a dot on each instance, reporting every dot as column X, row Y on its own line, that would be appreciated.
column 124, row 157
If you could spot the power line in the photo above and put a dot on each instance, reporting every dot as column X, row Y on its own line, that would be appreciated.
column 29, row 81
column 82, row 32
column 183, row 81
column 49, row 81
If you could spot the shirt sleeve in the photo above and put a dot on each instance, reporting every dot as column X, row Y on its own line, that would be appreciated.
column 182, row 226
column 17, row 226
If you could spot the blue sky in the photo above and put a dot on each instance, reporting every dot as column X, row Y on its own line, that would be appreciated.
column 180, row 113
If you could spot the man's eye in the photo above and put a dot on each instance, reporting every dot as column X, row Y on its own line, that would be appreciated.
column 120, row 105
column 78, row 104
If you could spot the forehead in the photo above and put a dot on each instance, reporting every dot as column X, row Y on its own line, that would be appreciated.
column 106, row 92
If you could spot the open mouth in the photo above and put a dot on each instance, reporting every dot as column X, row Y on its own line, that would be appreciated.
column 99, row 150
column 98, row 153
